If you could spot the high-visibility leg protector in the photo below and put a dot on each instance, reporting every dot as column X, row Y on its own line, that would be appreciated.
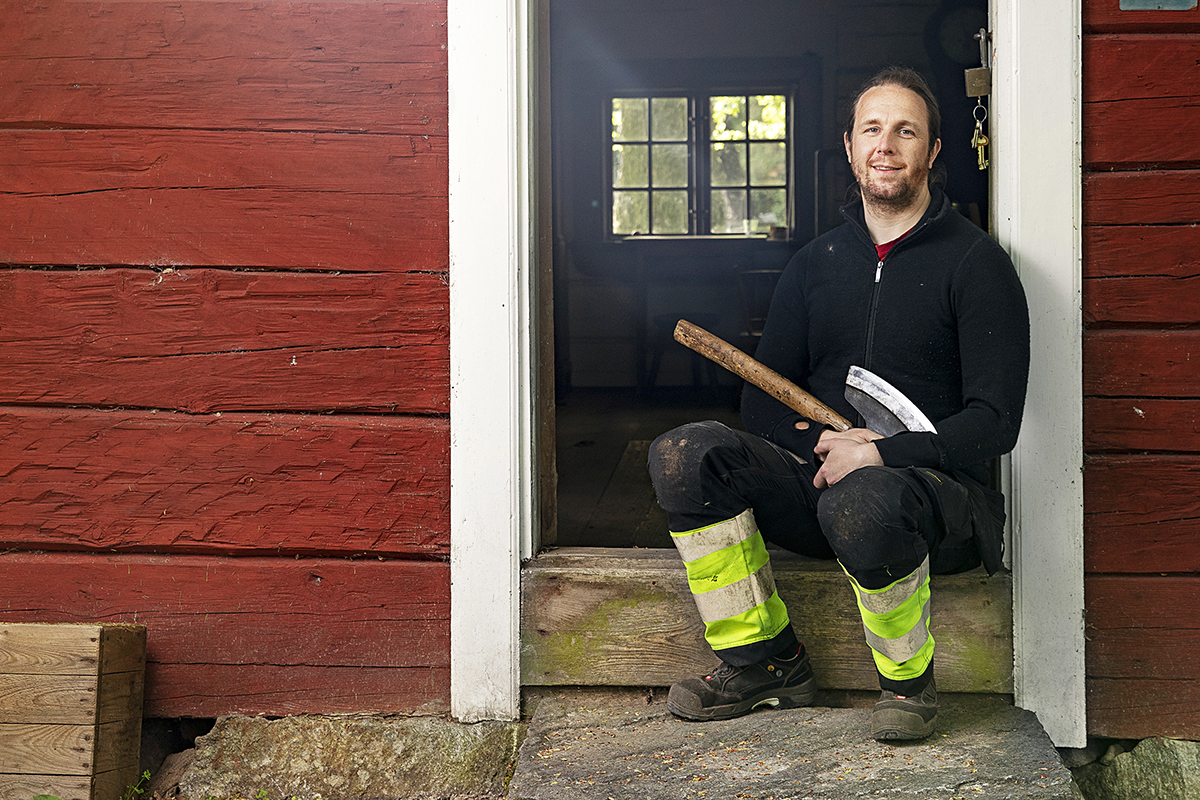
column 896, row 621
column 729, row 573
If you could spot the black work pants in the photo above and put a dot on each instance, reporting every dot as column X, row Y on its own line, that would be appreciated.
column 880, row 522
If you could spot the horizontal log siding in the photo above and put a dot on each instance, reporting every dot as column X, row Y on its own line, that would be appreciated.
column 224, row 347
column 1141, row 275
column 256, row 635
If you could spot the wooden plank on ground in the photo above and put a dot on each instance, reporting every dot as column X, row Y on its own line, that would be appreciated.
column 606, row 617
column 1141, row 424
column 257, row 635
column 44, row 699
column 1137, row 98
column 49, row 749
column 1150, row 197
column 1142, row 514
column 209, row 340
column 227, row 198
column 50, row 650
column 321, row 66
column 234, row 483
column 1120, row 251
column 1141, row 363
column 65, row 787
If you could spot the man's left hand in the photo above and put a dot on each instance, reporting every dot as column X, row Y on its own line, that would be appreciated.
column 842, row 453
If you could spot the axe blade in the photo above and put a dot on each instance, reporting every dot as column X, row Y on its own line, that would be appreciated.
column 884, row 408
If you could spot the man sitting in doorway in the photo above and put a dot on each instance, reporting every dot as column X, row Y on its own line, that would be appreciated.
column 911, row 290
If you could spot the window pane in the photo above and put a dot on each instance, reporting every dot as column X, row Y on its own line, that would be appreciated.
column 768, row 116
column 631, row 165
column 629, row 119
column 668, row 121
column 728, row 117
column 631, row 212
column 728, row 165
column 670, row 212
column 670, row 165
column 768, row 164
column 727, row 213
column 768, row 207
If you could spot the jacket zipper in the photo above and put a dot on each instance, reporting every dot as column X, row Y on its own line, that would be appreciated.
column 871, row 315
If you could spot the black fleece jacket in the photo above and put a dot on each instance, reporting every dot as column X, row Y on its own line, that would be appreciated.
column 943, row 318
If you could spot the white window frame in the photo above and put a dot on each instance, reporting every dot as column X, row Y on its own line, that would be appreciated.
column 493, row 378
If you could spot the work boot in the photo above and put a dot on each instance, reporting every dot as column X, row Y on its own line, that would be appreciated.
column 897, row 717
column 732, row 691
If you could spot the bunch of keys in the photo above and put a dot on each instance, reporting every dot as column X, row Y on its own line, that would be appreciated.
column 979, row 140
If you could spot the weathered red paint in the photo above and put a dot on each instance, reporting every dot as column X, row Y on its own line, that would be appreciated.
column 1143, row 637
column 226, row 65
column 256, row 635
column 1142, row 514
column 1141, row 424
column 225, row 331
column 1141, row 194
column 214, row 340
column 1132, row 88
column 237, row 483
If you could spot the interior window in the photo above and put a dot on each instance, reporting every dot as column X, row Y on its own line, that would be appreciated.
column 677, row 173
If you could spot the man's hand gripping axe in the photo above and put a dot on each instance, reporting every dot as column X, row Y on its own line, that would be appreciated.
column 884, row 408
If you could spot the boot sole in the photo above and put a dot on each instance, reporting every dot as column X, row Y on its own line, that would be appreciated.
column 891, row 725
column 797, row 696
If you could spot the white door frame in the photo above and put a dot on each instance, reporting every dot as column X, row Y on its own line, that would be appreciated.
column 1035, row 133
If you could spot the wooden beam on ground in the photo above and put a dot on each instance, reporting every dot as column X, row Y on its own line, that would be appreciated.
column 609, row 617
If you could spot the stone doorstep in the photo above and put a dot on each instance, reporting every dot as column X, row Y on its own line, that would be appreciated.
column 984, row 748
column 625, row 745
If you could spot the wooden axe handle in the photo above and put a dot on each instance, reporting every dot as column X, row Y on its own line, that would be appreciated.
column 751, row 371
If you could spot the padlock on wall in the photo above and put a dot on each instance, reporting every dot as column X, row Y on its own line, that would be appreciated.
column 979, row 81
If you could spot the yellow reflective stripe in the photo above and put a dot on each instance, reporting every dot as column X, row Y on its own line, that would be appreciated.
column 893, row 596
column 896, row 624
column 725, row 567
column 905, row 670
column 694, row 545
column 737, row 598
column 756, row 625
column 905, row 646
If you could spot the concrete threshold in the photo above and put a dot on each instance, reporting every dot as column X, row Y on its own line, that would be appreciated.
column 983, row 748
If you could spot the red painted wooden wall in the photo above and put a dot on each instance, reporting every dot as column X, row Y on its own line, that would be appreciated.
column 1141, row 292
column 224, row 343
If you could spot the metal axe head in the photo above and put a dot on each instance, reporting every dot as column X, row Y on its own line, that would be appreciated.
column 884, row 408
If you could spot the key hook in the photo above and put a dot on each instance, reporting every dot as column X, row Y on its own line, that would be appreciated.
column 983, row 37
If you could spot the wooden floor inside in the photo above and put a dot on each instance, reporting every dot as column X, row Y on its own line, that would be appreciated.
column 604, row 494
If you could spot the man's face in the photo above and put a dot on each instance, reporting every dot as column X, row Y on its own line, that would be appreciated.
column 889, row 149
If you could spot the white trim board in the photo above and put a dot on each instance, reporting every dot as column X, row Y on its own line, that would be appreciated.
column 1036, row 156
column 492, row 513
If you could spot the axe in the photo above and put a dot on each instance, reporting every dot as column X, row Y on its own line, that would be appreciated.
column 884, row 408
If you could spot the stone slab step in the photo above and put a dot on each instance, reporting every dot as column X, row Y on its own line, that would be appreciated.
column 984, row 748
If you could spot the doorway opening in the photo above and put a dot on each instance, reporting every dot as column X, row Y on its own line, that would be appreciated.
column 696, row 147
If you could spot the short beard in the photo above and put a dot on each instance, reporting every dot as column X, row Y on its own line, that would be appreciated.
column 905, row 196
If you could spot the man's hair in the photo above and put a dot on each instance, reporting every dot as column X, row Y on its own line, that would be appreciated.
column 905, row 78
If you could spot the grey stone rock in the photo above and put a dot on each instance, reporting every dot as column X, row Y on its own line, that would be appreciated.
column 1157, row 768
column 984, row 748
column 352, row 758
